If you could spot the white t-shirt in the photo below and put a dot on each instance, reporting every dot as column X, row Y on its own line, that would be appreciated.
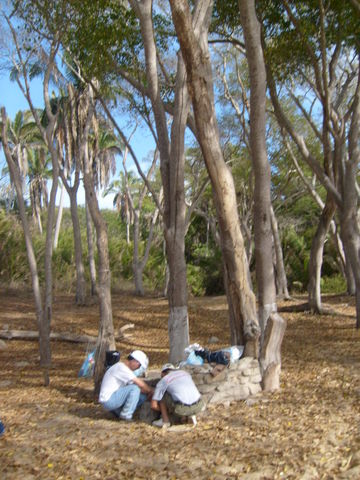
column 179, row 385
column 115, row 377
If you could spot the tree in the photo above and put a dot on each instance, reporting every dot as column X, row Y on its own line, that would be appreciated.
column 23, row 68
column 328, row 49
column 106, row 338
column 24, row 141
column 38, row 173
column 272, row 330
column 194, row 50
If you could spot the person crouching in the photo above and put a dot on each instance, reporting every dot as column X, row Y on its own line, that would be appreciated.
column 121, row 392
column 177, row 393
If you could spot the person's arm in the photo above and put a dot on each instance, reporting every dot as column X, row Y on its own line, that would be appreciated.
column 144, row 387
column 155, row 405
column 159, row 392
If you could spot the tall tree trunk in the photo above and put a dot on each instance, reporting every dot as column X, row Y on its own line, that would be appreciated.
column 349, row 274
column 195, row 53
column 272, row 331
column 59, row 216
column 80, row 295
column 91, row 254
column 48, row 256
column 316, row 256
column 281, row 280
column 139, row 264
column 44, row 344
column 139, row 287
column 172, row 173
column 106, row 338
column 349, row 219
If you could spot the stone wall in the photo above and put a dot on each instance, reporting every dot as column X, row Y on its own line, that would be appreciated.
column 216, row 383
column 220, row 384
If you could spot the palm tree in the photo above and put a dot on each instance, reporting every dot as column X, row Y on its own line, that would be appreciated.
column 23, row 135
column 123, row 188
column 39, row 172
column 104, row 146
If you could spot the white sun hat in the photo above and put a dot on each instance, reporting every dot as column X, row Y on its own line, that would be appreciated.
column 168, row 366
column 141, row 357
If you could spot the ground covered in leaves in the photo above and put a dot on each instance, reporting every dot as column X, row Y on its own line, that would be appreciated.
column 307, row 430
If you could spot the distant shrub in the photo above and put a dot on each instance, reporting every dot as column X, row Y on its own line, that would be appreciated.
column 334, row 284
column 196, row 280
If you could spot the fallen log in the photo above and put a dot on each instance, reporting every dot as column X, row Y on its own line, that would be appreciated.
column 62, row 337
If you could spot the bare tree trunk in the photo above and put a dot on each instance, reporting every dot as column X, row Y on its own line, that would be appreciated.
column 349, row 274
column 195, row 53
column 172, row 173
column 139, row 265
column 48, row 259
column 281, row 280
column 316, row 256
column 272, row 331
column 349, row 212
column 59, row 217
column 80, row 295
column 91, row 255
column 44, row 345
column 139, row 287
column 47, row 134
column 106, row 338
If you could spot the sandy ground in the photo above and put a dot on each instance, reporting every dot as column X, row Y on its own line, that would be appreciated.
column 307, row 430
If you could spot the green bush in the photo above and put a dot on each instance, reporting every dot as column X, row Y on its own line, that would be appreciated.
column 196, row 280
column 335, row 284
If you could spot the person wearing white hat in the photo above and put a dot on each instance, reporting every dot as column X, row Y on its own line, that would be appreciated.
column 121, row 391
column 176, row 392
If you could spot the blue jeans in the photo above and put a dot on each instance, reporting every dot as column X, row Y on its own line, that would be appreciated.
column 125, row 401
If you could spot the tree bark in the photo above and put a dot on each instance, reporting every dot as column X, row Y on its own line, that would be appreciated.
column 280, row 274
column 195, row 53
column 44, row 345
column 80, row 295
column 349, row 219
column 272, row 336
column 316, row 256
column 106, row 339
column 62, row 337
column 59, row 217
column 91, row 255
column 172, row 173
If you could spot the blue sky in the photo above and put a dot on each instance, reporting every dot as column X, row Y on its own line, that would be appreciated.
column 13, row 100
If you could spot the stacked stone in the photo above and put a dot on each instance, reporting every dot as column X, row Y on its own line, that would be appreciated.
column 216, row 383
column 229, row 384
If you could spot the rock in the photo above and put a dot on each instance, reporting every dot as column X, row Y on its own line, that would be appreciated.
column 217, row 369
column 254, row 388
column 213, row 340
column 249, row 372
column 22, row 363
column 2, row 345
column 255, row 379
column 5, row 383
column 246, row 362
column 206, row 388
column 220, row 377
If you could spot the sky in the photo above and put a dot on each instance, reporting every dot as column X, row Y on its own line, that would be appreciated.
column 13, row 100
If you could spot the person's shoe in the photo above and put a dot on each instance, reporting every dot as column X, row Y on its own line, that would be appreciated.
column 2, row 428
column 126, row 419
column 160, row 423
